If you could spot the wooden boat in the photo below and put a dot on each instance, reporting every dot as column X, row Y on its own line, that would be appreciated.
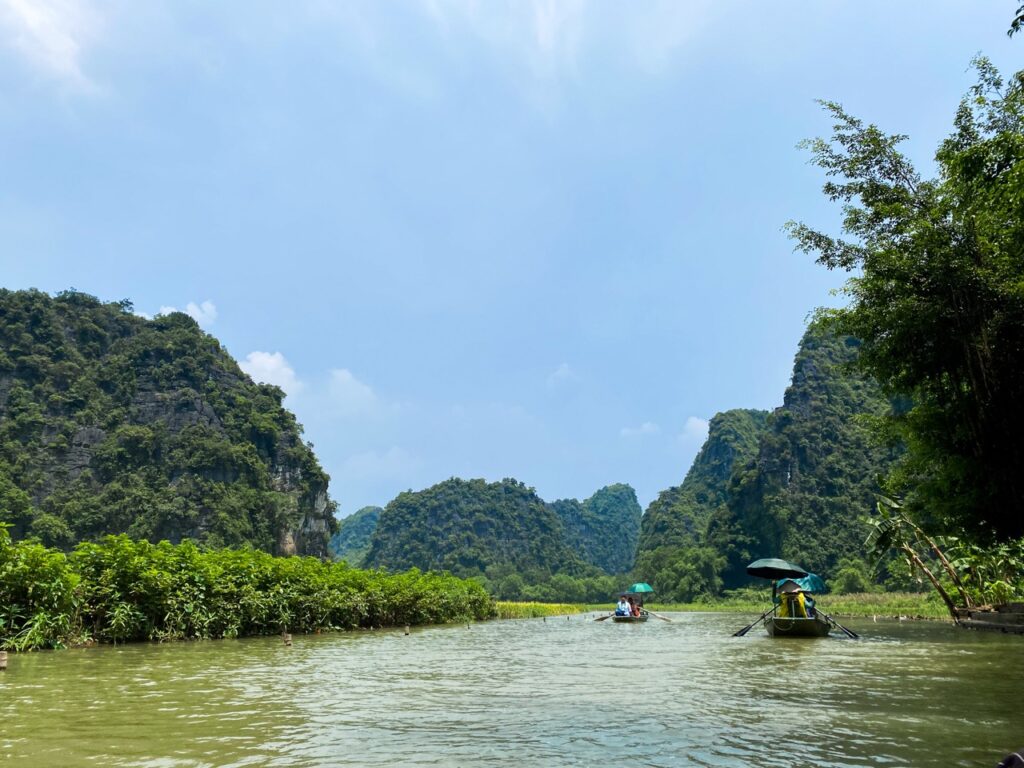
column 631, row 619
column 785, row 626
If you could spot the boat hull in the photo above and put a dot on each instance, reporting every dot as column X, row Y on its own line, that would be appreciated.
column 629, row 619
column 779, row 626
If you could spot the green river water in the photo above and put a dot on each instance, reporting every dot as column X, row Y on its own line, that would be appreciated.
column 531, row 693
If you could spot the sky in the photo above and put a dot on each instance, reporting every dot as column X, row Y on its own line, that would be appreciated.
column 471, row 238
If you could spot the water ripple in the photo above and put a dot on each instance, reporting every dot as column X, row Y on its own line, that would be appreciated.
column 558, row 692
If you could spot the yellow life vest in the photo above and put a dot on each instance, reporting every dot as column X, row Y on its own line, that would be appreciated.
column 792, row 605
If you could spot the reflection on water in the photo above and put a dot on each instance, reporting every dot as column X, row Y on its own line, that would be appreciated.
column 532, row 692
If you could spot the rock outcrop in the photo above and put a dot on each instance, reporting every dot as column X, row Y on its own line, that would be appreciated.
column 111, row 423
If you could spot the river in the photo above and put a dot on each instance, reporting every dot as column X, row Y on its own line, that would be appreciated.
column 553, row 692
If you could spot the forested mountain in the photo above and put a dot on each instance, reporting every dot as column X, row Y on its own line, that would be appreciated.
column 603, row 530
column 793, row 484
column 464, row 526
column 352, row 541
column 507, row 536
column 816, row 472
column 673, row 530
column 113, row 423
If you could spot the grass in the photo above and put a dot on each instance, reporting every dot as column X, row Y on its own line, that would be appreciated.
column 510, row 610
column 915, row 605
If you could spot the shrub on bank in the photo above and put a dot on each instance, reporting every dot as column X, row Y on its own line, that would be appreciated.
column 120, row 590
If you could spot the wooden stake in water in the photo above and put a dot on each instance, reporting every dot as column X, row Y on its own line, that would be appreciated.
column 3, row 660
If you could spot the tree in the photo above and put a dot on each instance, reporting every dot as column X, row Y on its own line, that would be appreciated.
column 937, row 298
column 892, row 530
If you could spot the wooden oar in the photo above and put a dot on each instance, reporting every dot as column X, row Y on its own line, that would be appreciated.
column 602, row 618
column 663, row 618
column 835, row 623
column 750, row 626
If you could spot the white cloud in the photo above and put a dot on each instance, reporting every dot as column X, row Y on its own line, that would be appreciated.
column 51, row 35
column 205, row 314
column 694, row 430
column 647, row 428
column 271, row 368
column 563, row 374
column 350, row 396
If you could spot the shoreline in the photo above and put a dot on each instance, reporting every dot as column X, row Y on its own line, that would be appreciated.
column 906, row 606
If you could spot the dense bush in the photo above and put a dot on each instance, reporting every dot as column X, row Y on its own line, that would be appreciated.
column 853, row 576
column 120, row 590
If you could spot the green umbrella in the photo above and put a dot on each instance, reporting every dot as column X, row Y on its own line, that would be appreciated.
column 774, row 568
column 640, row 587
column 810, row 583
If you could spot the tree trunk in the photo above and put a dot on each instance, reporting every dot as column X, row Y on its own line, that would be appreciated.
column 968, row 603
column 935, row 582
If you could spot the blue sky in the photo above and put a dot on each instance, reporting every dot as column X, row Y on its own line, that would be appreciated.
column 490, row 239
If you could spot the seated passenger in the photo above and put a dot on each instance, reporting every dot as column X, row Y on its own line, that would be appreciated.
column 791, row 600
column 622, row 607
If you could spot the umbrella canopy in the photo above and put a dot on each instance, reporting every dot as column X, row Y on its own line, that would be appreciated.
column 774, row 568
column 812, row 582
column 639, row 588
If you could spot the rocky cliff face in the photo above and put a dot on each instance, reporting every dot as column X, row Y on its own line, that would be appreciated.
column 112, row 423
column 679, row 516
column 816, row 471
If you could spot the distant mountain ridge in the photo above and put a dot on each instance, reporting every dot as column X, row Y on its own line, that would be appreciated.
column 506, row 534
column 604, row 528
column 352, row 541
column 111, row 423
column 464, row 526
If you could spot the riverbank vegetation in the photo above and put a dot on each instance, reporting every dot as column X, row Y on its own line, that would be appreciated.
column 912, row 605
column 120, row 590
column 887, row 443
column 938, row 259
column 907, row 605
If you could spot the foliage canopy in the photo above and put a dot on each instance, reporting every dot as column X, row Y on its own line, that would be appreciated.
column 937, row 299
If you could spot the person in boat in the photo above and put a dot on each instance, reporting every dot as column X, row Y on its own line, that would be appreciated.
column 634, row 609
column 792, row 603
column 622, row 607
